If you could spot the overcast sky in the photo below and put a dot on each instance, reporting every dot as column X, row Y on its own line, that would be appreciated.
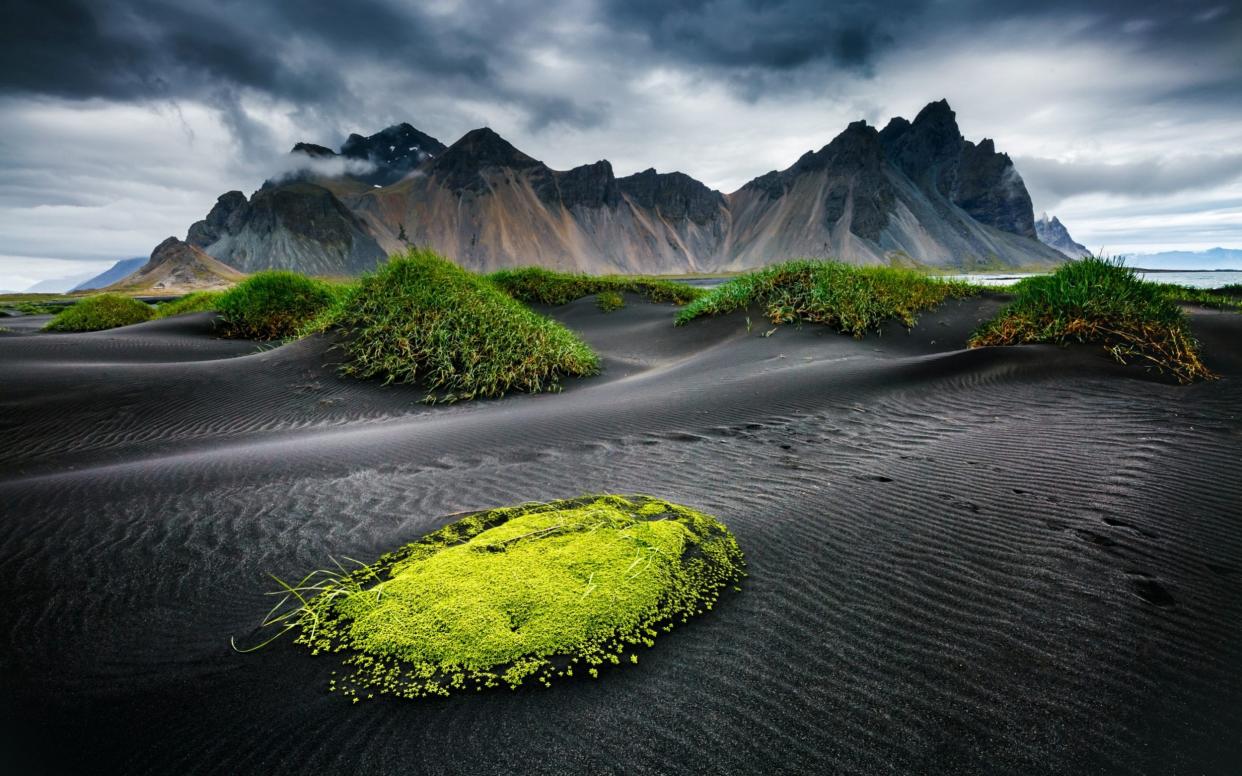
column 122, row 121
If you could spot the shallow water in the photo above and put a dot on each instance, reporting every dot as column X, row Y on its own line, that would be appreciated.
column 1194, row 279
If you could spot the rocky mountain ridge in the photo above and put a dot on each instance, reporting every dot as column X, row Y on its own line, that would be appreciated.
column 915, row 192
column 1052, row 232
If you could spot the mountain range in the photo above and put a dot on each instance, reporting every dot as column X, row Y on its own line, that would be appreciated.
column 915, row 192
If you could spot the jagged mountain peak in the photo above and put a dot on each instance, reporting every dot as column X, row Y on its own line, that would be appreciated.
column 312, row 149
column 673, row 194
column 394, row 151
column 1052, row 232
column 485, row 147
column 461, row 167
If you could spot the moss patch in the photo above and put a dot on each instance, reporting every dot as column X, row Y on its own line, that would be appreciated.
column 1100, row 301
column 515, row 595
column 849, row 298
column 105, row 311
column 423, row 319
column 535, row 285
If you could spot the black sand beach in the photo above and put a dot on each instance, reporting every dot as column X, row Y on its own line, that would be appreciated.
column 1019, row 560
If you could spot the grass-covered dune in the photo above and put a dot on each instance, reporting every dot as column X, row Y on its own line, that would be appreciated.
column 421, row 318
column 104, row 311
column 196, row 302
column 273, row 304
column 1100, row 301
column 535, row 285
column 849, row 298
column 514, row 595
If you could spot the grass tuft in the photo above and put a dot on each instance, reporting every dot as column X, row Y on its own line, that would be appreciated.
column 535, row 285
column 421, row 318
column 513, row 595
column 273, row 305
column 104, row 311
column 196, row 302
column 607, row 301
column 1097, row 300
column 1218, row 298
column 849, row 298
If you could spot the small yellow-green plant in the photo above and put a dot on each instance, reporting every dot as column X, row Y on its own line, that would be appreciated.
column 849, row 298
column 196, row 302
column 607, row 301
column 536, row 285
column 513, row 595
column 421, row 318
column 272, row 305
column 104, row 311
column 1097, row 300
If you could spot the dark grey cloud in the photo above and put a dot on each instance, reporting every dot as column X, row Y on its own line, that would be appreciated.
column 302, row 52
column 1144, row 95
column 1149, row 177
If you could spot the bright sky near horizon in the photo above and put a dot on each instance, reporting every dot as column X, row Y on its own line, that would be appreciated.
column 122, row 121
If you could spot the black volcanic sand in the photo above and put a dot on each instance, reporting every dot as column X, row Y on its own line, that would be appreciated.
column 1018, row 560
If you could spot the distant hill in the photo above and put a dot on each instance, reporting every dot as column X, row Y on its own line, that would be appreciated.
column 176, row 267
column 916, row 192
column 1053, row 233
column 57, row 285
column 1214, row 258
column 110, row 276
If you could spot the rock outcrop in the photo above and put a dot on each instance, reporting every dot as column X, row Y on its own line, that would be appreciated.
column 916, row 192
column 298, row 225
column 176, row 267
column 1052, row 232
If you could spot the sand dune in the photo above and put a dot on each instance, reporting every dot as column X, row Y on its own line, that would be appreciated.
column 1021, row 560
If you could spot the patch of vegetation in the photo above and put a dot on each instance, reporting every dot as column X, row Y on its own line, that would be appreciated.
column 421, row 318
column 34, row 308
column 1233, row 289
column 607, row 301
column 535, row 285
column 849, row 298
column 1219, row 299
column 506, row 596
column 1097, row 300
column 104, row 311
column 273, row 305
column 197, row 302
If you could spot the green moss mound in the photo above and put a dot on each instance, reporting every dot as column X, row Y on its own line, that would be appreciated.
column 272, row 305
column 607, row 301
column 535, row 285
column 851, row 299
column 423, row 319
column 521, row 594
column 1096, row 300
column 197, row 302
column 105, row 311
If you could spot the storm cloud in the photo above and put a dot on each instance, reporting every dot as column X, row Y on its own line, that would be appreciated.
column 1097, row 101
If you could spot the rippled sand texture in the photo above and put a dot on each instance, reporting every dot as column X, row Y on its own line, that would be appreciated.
column 1023, row 560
